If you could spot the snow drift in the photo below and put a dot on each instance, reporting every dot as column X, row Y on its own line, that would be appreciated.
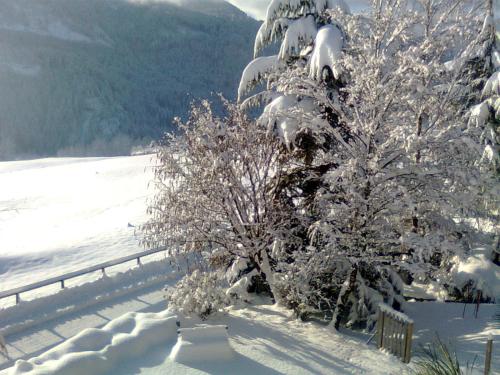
column 97, row 351
column 202, row 343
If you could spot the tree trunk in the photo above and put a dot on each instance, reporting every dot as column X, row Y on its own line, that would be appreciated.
column 342, row 310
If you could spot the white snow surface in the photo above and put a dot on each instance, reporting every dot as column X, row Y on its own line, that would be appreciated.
column 98, row 351
column 70, row 201
column 30, row 313
column 263, row 339
column 256, row 70
column 482, row 271
column 492, row 86
column 202, row 343
column 327, row 52
column 62, row 214
column 457, row 326
column 299, row 34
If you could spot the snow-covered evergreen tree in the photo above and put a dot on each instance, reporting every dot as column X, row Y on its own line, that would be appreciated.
column 309, row 43
column 403, row 164
column 485, row 114
column 354, row 174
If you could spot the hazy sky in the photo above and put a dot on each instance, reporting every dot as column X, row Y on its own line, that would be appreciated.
column 257, row 8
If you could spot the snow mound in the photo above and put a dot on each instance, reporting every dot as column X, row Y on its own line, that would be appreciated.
column 255, row 71
column 327, row 52
column 202, row 343
column 300, row 33
column 479, row 115
column 492, row 86
column 484, row 274
column 97, row 351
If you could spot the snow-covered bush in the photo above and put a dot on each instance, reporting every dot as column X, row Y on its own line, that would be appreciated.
column 474, row 278
column 200, row 293
column 219, row 194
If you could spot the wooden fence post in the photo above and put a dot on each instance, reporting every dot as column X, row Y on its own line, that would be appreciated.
column 489, row 351
column 395, row 332
column 409, row 335
column 380, row 328
column 3, row 347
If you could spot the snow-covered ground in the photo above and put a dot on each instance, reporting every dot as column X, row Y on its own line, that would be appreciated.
column 58, row 215
column 460, row 330
column 263, row 339
column 62, row 214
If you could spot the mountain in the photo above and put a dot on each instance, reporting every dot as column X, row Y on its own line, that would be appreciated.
column 96, row 76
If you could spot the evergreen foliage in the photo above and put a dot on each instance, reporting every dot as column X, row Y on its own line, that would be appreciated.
column 357, row 169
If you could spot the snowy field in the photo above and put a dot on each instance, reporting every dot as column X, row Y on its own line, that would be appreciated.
column 62, row 214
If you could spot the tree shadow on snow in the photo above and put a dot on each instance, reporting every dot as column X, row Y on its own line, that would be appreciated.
column 239, row 364
column 287, row 347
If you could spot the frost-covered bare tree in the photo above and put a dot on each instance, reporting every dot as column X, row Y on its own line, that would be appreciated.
column 218, row 193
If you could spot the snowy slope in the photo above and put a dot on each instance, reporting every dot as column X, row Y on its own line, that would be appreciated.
column 90, row 77
column 60, row 215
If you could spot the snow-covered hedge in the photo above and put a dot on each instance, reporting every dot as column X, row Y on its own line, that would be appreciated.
column 200, row 293
column 475, row 277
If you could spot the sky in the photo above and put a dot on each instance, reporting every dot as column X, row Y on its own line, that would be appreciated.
column 254, row 8
column 257, row 8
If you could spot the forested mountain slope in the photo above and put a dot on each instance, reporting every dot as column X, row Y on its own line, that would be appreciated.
column 94, row 76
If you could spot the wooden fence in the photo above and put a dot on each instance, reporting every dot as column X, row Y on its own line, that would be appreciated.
column 62, row 278
column 394, row 332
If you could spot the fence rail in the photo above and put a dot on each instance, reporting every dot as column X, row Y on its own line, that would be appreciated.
column 394, row 331
column 62, row 278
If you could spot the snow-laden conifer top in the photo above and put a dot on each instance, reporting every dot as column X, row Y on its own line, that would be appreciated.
column 327, row 52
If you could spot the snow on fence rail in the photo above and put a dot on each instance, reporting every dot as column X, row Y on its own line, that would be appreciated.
column 62, row 278
column 394, row 331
